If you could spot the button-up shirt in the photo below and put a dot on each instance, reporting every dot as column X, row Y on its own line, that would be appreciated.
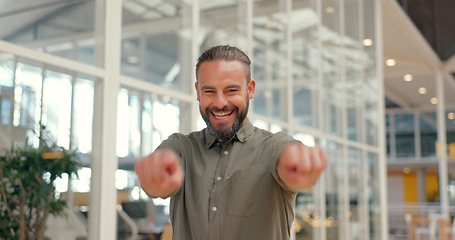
column 231, row 190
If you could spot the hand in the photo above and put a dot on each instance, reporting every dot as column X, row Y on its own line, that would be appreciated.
column 300, row 166
column 160, row 173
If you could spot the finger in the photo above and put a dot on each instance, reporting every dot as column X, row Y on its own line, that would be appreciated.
column 156, row 167
column 316, row 159
column 304, row 159
column 290, row 157
column 323, row 158
column 169, row 162
column 176, row 179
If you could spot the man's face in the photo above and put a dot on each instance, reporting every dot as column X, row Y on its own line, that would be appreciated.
column 223, row 95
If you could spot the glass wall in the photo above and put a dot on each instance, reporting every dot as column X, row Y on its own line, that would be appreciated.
column 314, row 63
column 61, row 28
column 413, row 135
column 59, row 99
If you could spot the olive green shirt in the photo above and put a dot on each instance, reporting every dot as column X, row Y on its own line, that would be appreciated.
column 231, row 190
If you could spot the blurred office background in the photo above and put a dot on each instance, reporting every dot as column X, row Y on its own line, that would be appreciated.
column 370, row 81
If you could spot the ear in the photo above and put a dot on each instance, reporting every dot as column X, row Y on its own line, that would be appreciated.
column 197, row 90
column 251, row 87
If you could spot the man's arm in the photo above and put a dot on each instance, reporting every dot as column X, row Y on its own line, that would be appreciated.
column 160, row 173
column 300, row 166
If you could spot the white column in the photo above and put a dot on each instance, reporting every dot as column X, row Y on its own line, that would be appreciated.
column 103, row 195
column 195, row 22
column 382, row 160
column 421, row 185
column 320, row 188
column 442, row 141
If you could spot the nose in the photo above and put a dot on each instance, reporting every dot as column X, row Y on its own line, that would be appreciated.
column 220, row 101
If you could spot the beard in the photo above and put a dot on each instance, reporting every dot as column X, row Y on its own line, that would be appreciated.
column 225, row 133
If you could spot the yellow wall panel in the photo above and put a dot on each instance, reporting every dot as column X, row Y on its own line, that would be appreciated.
column 432, row 182
column 410, row 191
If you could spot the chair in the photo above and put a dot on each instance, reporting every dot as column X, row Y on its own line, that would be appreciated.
column 450, row 232
column 429, row 230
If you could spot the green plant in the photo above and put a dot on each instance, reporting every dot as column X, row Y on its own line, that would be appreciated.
column 27, row 191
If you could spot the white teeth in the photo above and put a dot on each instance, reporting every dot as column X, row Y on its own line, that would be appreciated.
column 221, row 115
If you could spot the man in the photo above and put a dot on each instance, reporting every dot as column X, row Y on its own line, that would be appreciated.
column 230, row 180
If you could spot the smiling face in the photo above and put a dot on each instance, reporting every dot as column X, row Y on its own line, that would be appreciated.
column 223, row 94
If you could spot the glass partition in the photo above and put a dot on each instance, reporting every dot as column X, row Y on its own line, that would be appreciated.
column 305, row 62
column 55, row 27
column 156, row 43
column 334, row 192
column 428, row 133
column 62, row 101
column 373, row 193
column 357, row 207
column 331, row 67
column 404, row 135
column 269, row 55
column 354, row 59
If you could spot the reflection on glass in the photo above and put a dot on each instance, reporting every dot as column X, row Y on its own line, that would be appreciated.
column 370, row 88
column 334, row 190
column 305, row 65
column 6, row 70
column 82, row 115
column 54, row 26
column 269, row 65
column 81, row 183
column 331, row 57
column 306, row 139
column 27, row 97
column 357, row 207
column 428, row 133
column 404, row 134
column 373, row 196
column 56, row 109
column 156, row 56
column 388, row 135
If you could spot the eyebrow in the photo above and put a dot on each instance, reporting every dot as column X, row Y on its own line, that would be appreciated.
column 229, row 86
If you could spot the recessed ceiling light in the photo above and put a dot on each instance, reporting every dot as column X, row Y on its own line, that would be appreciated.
column 390, row 62
column 329, row 9
column 367, row 42
column 434, row 100
column 407, row 77
column 451, row 116
column 406, row 170
column 422, row 90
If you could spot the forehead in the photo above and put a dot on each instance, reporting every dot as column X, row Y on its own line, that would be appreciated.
column 221, row 69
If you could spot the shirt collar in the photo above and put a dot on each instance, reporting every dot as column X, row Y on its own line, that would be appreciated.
column 242, row 134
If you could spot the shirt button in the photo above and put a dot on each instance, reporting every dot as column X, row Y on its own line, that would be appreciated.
column 214, row 209
column 218, row 178
column 226, row 152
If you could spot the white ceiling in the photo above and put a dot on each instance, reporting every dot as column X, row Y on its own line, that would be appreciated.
column 404, row 43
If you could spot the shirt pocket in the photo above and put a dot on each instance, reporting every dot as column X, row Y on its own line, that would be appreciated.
column 248, row 191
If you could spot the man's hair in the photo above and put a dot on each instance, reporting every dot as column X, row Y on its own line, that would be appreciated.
column 226, row 53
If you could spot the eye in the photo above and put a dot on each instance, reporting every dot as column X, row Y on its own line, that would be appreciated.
column 208, row 91
column 232, row 90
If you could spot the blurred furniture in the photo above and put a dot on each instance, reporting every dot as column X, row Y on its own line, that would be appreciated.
column 428, row 226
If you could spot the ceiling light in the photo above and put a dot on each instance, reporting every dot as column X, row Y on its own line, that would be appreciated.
column 329, row 9
column 406, row 170
column 407, row 77
column 367, row 42
column 434, row 100
column 390, row 62
column 451, row 116
column 422, row 90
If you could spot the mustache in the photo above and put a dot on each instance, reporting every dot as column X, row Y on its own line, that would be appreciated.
column 216, row 109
